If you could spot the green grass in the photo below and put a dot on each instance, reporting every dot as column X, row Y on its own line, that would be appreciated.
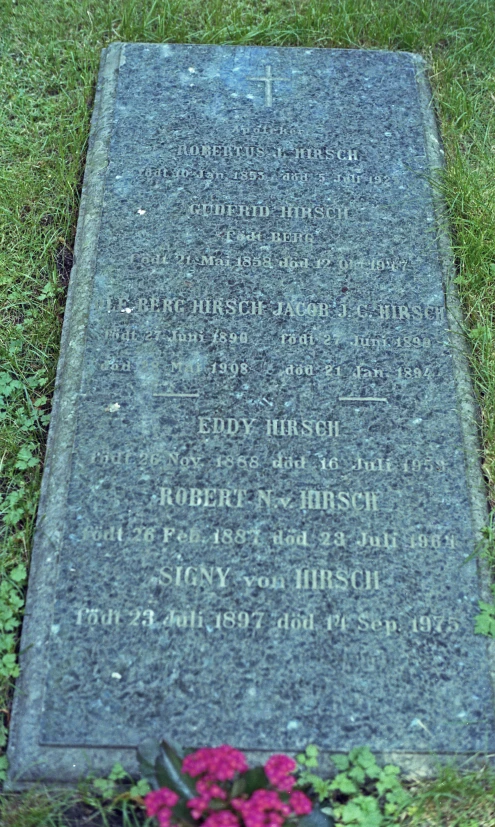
column 49, row 54
column 454, row 800
column 68, row 808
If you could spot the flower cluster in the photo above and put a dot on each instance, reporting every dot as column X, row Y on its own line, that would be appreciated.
column 213, row 764
column 300, row 803
column 160, row 803
column 207, row 790
column 217, row 763
column 278, row 770
column 263, row 809
column 215, row 805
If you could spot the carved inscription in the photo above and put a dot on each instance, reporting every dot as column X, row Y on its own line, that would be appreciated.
column 291, row 309
column 368, row 326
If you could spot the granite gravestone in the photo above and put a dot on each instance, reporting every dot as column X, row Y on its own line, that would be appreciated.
column 262, row 480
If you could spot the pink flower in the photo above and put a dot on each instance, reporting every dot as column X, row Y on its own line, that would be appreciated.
column 164, row 817
column 223, row 818
column 263, row 809
column 198, row 806
column 197, row 762
column 300, row 803
column 208, row 789
column 215, row 763
column 278, row 769
column 159, row 803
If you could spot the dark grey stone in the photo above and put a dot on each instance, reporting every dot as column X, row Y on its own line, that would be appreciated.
column 262, row 487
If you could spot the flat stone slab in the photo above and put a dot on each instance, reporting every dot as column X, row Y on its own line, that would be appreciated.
column 262, row 488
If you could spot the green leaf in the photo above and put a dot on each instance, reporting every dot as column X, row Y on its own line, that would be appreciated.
column 343, row 783
column 9, row 667
column 388, row 780
column 485, row 621
column 248, row 782
column 117, row 773
column 358, row 775
column 362, row 756
column 306, row 760
column 217, row 804
column 391, row 769
column 105, row 787
column 397, row 800
column 487, row 607
column 169, row 773
column 255, row 779
column 7, row 641
column 147, row 753
column 25, row 458
column 321, row 787
column 8, row 385
column 4, row 765
column 181, row 814
column 19, row 573
column 238, row 787
column 48, row 291
column 363, row 811
column 340, row 761
column 141, row 789
column 3, row 734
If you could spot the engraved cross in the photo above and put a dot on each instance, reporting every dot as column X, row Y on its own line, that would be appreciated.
column 268, row 81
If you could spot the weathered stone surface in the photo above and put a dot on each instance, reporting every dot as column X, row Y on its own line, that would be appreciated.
column 262, row 484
